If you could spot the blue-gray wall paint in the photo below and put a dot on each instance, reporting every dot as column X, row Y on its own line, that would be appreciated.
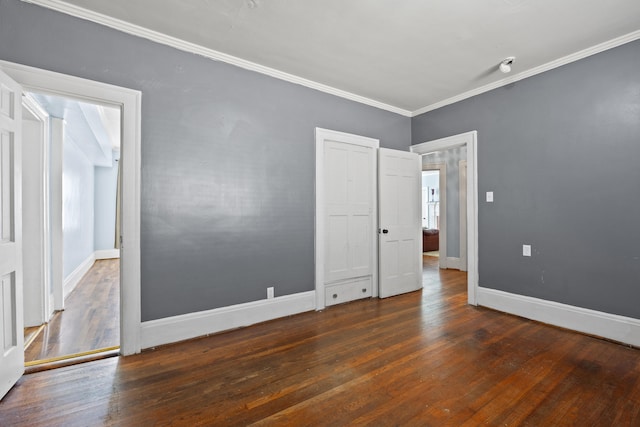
column 104, row 202
column 77, row 207
column 227, row 159
column 561, row 152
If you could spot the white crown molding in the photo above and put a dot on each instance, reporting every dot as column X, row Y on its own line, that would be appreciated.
column 606, row 325
column 533, row 71
column 155, row 36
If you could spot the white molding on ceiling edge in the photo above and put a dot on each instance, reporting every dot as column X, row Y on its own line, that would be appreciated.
column 192, row 325
column 611, row 326
column 533, row 71
column 164, row 39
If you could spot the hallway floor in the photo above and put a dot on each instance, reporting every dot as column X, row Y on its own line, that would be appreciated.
column 90, row 320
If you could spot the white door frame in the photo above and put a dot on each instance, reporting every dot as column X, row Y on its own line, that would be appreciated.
column 55, row 192
column 43, row 240
column 129, row 100
column 321, row 135
column 462, row 202
column 442, row 197
column 470, row 140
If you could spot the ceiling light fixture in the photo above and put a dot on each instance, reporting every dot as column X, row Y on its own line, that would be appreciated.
column 505, row 65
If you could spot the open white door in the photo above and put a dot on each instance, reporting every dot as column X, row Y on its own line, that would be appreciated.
column 11, row 313
column 399, row 186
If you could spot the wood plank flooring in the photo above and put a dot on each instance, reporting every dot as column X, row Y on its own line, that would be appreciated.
column 419, row 359
column 90, row 320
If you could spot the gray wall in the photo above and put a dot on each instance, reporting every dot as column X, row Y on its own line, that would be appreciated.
column 77, row 206
column 561, row 151
column 227, row 159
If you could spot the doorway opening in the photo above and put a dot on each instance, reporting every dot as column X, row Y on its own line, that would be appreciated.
column 71, row 217
column 434, row 226
column 129, row 101
column 458, row 245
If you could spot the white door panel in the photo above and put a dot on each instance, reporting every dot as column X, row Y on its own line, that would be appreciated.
column 349, row 213
column 11, row 312
column 399, row 178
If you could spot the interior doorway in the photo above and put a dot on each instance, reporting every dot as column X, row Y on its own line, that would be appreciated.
column 16, row 80
column 468, row 141
column 434, row 209
column 71, row 228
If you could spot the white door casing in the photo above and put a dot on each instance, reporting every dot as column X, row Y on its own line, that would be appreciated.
column 346, row 212
column 11, row 303
column 130, row 102
column 55, row 213
column 38, row 301
column 462, row 173
column 400, row 239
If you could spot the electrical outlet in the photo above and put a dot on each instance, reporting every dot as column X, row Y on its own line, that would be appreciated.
column 270, row 292
column 526, row 250
column 490, row 196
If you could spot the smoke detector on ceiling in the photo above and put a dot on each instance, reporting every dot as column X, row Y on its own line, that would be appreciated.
column 505, row 65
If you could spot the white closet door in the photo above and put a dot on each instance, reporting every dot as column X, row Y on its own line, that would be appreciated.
column 349, row 210
column 400, row 256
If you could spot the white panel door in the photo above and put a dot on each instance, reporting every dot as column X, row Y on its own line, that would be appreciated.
column 11, row 313
column 349, row 210
column 399, row 207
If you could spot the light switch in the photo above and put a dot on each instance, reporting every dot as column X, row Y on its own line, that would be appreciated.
column 526, row 250
column 489, row 196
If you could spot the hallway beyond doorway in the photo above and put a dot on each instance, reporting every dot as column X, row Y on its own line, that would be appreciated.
column 90, row 321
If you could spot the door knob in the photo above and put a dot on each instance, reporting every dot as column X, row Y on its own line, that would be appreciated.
column 385, row 231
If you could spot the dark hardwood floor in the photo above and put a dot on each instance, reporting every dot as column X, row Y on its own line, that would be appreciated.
column 419, row 359
column 90, row 320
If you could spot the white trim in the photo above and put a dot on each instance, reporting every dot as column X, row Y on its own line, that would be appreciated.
column 321, row 136
column 611, row 326
column 72, row 280
column 136, row 30
column 192, row 325
column 454, row 263
column 442, row 197
column 185, row 46
column 130, row 102
column 470, row 140
column 55, row 213
column 462, row 202
column 107, row 253
column 619, row 41
column 44, row 236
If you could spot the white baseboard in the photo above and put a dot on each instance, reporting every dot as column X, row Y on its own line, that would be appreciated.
column 107, row 253
column 454, row 263
column 611, row 326
column 72, row 280
column 192, row 325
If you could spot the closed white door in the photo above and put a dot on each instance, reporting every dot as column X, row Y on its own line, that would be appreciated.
column 349, row 210
column 11, row 312
column 400, row 256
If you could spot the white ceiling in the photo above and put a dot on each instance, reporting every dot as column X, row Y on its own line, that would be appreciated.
column 407, row 55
